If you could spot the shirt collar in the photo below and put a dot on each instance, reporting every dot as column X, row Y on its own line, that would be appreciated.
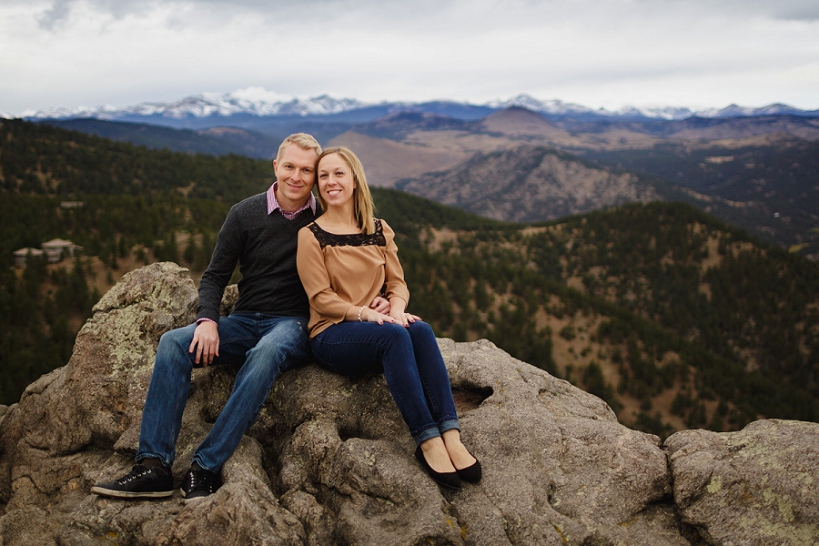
column 273, row 203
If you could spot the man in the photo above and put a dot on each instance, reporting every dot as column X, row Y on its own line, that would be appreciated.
column 266, row 333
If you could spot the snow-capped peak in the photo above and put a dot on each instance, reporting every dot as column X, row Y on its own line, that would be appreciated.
column 257, row 95
column 553, row 106
column 252, row 100
column 258, row 101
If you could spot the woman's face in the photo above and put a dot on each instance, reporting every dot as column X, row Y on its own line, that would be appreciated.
column 335, row 180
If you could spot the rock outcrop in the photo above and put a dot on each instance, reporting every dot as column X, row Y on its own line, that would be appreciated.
column 528, row 184
column 329, row 461
column 755, row 486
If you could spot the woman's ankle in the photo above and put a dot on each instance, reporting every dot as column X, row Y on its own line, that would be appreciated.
column 458, row 454
column 437, row 455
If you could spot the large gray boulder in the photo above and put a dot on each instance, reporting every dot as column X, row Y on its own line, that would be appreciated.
column 329, row 460
column 756, row 486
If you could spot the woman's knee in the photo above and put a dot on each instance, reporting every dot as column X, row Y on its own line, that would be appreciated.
column 421, row 330
column 396, row 333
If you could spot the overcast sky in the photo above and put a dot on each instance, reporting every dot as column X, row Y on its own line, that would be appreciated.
column 598, row 53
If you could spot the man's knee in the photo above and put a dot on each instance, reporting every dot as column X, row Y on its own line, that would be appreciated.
column 177, row 336
column 175, row 342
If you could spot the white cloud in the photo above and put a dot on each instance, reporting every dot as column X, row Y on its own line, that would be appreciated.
column 599, row 53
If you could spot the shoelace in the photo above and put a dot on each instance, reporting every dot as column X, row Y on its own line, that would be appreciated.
column 133, row 475
column 203, row 479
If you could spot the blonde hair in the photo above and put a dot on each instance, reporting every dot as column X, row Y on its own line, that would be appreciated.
column 302, row 140
column 363, row 207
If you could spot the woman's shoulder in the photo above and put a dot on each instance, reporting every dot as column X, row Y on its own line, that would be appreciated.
column 309, row 232
column 308, row 228
column 383, row 228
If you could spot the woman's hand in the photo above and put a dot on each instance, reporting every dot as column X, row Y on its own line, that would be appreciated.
column 371, row 315
column 395, row 314
column 404, row 319
column 397, row 306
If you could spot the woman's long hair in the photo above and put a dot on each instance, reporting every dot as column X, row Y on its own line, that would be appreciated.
column 363, row 207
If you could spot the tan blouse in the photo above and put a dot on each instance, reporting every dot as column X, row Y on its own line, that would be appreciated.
column 343, row 271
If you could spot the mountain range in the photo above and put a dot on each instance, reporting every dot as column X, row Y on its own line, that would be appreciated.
column 256, row 102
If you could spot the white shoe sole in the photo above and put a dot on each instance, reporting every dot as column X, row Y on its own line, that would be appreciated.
column 130, row 494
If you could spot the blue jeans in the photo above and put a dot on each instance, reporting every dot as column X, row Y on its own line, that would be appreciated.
column 412, row 364
column 264, row 345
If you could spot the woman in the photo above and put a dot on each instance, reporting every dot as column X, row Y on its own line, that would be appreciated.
column 345, row 258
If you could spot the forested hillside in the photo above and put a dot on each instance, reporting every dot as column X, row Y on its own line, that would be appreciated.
column 138, row 206
column 675, row 319
column 213, row 141
column 772, row 189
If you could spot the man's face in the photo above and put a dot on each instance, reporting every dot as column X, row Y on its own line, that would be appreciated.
column 295, row 172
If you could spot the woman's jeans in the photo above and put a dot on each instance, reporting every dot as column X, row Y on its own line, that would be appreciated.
column 412, row 364
column 265, row 345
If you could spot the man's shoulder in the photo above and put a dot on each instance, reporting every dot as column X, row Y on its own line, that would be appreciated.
column 254, row 201
column 250, row 209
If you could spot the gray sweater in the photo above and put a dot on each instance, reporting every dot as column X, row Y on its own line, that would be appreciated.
column 264, row 246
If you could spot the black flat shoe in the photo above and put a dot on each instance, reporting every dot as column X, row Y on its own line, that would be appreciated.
column 471, row 473
column 447, row 479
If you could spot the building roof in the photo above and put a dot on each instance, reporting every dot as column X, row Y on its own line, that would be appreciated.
column 57, row 242
column 25, row 251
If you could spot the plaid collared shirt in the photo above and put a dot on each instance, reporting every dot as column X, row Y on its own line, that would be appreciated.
column 273, row 203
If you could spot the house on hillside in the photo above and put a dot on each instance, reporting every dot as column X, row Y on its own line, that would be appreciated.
column 21, row 256
column 55, row 250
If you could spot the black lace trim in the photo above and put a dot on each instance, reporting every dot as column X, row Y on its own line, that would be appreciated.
column 326, row 238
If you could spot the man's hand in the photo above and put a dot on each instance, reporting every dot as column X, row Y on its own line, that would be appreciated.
column 205, row 342
column 381, row 305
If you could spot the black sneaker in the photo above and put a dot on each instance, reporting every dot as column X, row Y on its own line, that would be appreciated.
column 199, row 482
column 143, row 482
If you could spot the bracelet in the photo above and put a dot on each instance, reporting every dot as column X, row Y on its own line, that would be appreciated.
column 359, row 312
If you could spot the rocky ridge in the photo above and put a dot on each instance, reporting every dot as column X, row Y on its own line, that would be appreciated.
column 528, row 184
column 329, row 460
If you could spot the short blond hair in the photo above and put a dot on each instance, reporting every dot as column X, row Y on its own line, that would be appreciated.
column 302, row 140
column 363, row 207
